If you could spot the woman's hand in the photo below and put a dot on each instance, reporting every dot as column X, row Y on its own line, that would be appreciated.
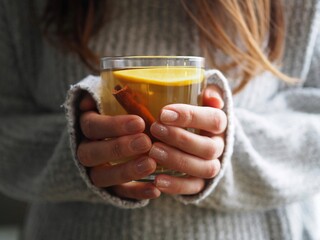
column 125, row 140
column 183, row 151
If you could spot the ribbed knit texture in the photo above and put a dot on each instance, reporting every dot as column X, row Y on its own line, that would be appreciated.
column 267, row 189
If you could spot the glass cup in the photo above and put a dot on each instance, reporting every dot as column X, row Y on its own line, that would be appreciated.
column 143, row 85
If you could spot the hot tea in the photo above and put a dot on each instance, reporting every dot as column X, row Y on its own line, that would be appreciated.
column 144, row 90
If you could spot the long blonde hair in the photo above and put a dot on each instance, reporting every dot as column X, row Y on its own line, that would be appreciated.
column 250, row 33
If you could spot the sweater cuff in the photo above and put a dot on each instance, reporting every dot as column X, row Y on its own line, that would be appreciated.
column 91, row 85
column 217, row 78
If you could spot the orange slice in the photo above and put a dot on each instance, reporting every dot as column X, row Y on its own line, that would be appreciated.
column 168, row 76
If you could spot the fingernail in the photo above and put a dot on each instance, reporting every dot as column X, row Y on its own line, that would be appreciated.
column 163, row 183
column 168, row 116
column 158, row 154
column 133, row 126
column 143, row 165
column 217, row 165
column 159, row 130
column 140, row 144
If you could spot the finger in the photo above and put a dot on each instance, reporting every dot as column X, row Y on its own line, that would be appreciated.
column 99, row 152
column 179, row 185
column 136, row 190
column 200, row 146
column 87, row 103
column 106, row 176
column 96, row 126
column 205, row 118
column 212, row 97
column 174, row 159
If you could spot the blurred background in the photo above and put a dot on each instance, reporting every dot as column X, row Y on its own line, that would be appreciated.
column 12, row 214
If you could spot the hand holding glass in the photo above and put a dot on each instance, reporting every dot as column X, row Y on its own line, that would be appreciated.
column 144, row 85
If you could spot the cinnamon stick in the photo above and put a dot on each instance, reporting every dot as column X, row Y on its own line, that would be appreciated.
column 126, row 99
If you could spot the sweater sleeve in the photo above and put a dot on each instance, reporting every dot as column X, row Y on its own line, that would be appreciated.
column 36, row 162
column 275, row 153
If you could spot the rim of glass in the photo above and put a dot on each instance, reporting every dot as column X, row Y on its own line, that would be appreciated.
column 120, row 62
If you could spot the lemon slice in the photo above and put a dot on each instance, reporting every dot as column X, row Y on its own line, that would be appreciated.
column 168, row 76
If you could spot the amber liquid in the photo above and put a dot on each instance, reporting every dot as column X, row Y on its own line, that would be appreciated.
column 153, row 96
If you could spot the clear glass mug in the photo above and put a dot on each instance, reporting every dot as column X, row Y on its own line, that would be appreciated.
column 143, row 85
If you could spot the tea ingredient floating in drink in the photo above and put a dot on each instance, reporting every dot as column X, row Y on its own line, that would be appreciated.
column 166, row 76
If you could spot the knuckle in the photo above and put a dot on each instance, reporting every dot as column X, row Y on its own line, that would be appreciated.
column 219, row 120
column 211, row 151
column 182, row 139
column 187, row 117
column 87, row 127
column 182, row 164
column 211, row 171
column 219, row 143
column 94, row 177
column 116, row 149
column 214, row 149
column 198, row 186
column 83, row 156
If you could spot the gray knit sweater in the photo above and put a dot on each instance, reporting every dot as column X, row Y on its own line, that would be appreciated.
column 270, row 177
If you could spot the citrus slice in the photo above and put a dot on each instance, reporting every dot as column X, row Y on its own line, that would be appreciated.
column 168, row 76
